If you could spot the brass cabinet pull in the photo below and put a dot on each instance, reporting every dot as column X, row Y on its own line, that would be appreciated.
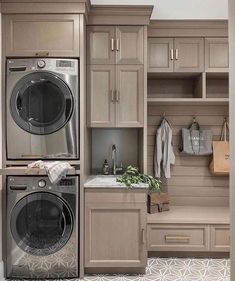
column 176, row 54
column 112, row 95
column 143, row 235
column 172, row 54
column 177, row 239
column 112, row 44
column 117, row 96
column 42, row 54
column 118, row 44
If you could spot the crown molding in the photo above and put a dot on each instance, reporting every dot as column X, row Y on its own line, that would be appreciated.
column 45, row 6
column 188, row 28
column 120, row 14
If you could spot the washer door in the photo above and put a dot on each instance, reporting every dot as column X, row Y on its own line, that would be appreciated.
column 41, row 103
column 41, row 223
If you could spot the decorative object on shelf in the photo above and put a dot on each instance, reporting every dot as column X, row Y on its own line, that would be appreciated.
column 220, row 164
column 196, row 141
column 164, row 155
column 105, row 167
column 158, row 202
column 133, row 176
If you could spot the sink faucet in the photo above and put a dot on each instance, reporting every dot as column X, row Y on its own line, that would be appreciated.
column 114, row 159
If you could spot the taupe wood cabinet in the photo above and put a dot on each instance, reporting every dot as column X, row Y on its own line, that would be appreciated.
column 115, row 45
column 116, row 95
column 216, row 55
column 42, row 35
column 220, row 238
column 115, row 228
column 175, row 54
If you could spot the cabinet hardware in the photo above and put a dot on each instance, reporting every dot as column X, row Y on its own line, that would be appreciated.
column 172, row 54
column 112, row 95
column 42, row 54
column 118, row 44
column 177, row 239
column 112, row 44
column 117, row 96
column 176, row 54
column 143, row 235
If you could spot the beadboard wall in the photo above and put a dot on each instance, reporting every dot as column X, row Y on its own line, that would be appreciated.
column 191, row 182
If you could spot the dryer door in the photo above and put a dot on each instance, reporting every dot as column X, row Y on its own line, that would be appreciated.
column 41, row 103
column 41, row 223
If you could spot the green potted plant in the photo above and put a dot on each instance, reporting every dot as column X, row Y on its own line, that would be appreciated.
column 157, row 200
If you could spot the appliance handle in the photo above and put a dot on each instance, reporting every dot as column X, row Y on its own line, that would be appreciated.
column 19, row 103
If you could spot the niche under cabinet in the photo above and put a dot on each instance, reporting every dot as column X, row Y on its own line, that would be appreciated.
column 175, row 86
column 217, row 85
column 127, row 141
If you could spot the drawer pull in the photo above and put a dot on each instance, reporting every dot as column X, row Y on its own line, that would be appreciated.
column 177, row 239
column 143, row 235
column 42, row 54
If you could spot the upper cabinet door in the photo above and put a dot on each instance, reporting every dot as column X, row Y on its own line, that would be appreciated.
column 160, row 55
column 189, row 55
column 129, row 45
column 101, row 44
column 42, row 35
column 101, row 95
column 129, row 96
column 216, row 55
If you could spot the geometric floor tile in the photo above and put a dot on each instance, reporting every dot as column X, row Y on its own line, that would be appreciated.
column 176, row 269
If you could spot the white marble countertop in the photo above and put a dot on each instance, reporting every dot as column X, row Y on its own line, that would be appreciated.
column 109, row 181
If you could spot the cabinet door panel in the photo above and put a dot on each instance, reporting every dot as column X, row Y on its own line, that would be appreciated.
column 160, row 54
column 27, row 35
column 100, row 95
column 220, row 238
column 216, row 54
column 130, row 96
column 189, row 55
column 115, row 235
column 101, row 45
column 129, row 45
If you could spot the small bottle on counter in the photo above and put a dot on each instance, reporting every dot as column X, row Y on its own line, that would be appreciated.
column 105, row 167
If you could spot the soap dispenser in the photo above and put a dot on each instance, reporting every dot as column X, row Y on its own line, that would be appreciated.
column 105, row 167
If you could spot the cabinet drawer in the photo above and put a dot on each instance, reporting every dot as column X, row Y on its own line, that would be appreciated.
column 220, row 238
column 177, row 237
column 115, row 195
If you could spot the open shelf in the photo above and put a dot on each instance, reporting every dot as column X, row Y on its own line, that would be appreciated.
column 188, row 101
column 217, row 85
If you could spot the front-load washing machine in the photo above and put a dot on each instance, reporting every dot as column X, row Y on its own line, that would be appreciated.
column 42, row 104
column 42, row 228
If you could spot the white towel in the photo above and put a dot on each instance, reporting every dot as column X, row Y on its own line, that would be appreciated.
column 56, row 170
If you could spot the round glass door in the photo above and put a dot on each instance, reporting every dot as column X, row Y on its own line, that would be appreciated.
column 41, row 103
column 41, row 223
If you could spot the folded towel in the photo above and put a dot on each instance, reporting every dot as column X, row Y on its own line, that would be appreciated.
column 56, row 170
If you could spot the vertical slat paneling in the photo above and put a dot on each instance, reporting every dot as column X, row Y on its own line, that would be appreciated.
column 191, row 182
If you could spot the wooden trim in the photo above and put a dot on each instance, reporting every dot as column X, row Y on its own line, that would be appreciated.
column 120, row 14
column 188, row 28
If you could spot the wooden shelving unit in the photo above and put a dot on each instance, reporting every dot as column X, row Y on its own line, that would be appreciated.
column 188, row 101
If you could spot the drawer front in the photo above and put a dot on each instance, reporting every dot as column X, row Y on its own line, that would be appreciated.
column 220, row 238
column 115, row 195
column 178, row 237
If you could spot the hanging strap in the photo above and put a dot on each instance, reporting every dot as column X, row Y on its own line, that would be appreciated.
column 225, row 131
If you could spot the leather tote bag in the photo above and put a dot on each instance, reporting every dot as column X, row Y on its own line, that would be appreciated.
column 196, row 141
column 220, row 164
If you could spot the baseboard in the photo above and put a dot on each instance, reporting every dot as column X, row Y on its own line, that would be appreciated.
column 1, row 270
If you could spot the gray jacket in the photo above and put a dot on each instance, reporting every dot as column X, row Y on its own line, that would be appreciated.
column 163, row 155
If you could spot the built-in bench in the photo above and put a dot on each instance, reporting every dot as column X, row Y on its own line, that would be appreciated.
column 189, row 228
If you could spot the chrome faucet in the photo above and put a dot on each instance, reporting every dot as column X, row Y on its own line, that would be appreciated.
column 114, row 159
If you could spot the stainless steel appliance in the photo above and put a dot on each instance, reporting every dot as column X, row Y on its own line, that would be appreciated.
column 42, row 103
column 41, row 228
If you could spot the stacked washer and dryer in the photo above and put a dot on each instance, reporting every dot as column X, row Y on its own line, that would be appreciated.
column 42, row 122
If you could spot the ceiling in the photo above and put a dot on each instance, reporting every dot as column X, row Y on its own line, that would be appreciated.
column 178, row 9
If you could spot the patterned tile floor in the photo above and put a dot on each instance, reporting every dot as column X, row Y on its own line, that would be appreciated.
column 176, row 269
